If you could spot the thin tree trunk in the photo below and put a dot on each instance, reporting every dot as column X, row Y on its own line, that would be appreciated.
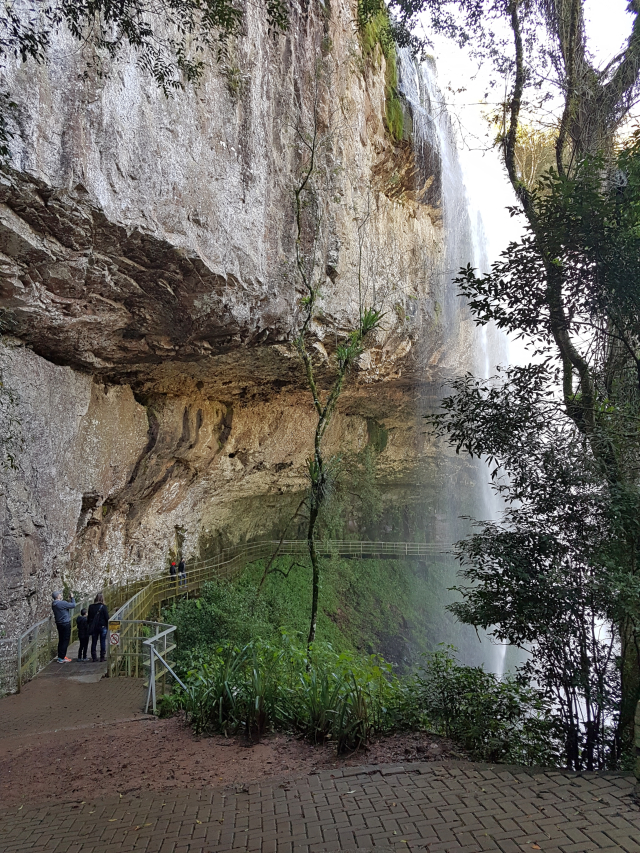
column 315, row 567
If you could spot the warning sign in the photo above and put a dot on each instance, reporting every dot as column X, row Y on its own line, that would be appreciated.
column 115, row 638
column 114, row 625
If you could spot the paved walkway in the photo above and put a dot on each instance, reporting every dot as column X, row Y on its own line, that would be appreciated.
column 62, row 696
column 438, row 808
column 420, row 807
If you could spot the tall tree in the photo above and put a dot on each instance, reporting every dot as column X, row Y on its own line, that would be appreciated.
column 547, row 577
column 312, row 197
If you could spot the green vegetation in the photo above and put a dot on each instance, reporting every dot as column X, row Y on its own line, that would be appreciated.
column 559, row 574
column 247, row 667
column 375, row 28
column 392, row 607
column 170, row 38
column 347, row 698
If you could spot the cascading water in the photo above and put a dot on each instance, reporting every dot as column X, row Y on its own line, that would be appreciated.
column 468, row 347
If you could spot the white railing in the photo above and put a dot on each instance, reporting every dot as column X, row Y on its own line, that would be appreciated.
column 159, row 666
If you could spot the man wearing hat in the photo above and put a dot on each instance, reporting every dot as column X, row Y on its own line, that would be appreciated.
column 62, row 611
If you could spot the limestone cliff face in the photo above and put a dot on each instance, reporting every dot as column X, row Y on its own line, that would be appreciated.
column 149, row 304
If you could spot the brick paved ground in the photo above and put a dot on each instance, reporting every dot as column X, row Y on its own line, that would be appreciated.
column 420, row 807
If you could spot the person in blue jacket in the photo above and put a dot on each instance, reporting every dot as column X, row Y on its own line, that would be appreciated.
column 62, row 612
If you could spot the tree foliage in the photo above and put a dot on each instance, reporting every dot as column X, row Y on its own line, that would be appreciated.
column 348, row 698
column 539, row 45
column 569, row 285
column 559, row 574
column 548, row 577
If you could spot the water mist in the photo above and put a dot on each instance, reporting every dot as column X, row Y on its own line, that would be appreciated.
column 468, row 347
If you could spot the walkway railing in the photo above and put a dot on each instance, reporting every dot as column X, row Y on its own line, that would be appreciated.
column 21, row 658
column 160, row 666
column 137, row 605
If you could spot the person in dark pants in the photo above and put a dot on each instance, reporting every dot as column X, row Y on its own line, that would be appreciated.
column 98, row 619
column 62, row 611
column 182, row 572
column 173, row 570
column 82, row 624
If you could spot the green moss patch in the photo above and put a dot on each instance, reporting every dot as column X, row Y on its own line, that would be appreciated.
column 375, row 31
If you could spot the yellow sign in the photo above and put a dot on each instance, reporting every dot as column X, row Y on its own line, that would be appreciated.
column 114, row 626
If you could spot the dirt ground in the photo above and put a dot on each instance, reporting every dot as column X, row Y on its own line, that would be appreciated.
column 163, row 755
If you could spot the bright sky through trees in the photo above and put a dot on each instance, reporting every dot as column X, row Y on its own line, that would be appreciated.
column 469, row 97
column 608, row 26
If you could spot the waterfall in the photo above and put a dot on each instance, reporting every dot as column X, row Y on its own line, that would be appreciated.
column 469, row 347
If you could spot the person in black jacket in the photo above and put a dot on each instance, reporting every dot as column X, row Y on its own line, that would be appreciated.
column 98, row 619
column 82, row 624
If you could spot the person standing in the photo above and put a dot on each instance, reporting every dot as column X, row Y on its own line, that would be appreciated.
column 82, row 624
column 98, row 619
column 173, row 570
column 182, row 572
column 62, row 611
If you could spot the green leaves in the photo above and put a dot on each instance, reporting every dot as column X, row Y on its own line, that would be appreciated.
column 370, row 320
column 266, row 685
column 112, row 25
column 495, row 719
column 350, row 350
column 586, row 234
column 347, row 698
column 547, row 576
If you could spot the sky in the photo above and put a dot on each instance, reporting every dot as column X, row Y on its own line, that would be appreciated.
column 608, row 26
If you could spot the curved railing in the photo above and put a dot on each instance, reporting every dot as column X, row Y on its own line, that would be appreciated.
column 134, row 603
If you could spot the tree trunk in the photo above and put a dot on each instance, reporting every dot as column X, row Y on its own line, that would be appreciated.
column 629, row 683
column 315, row 567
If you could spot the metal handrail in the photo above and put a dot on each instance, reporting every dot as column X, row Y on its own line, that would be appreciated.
column 153, row 677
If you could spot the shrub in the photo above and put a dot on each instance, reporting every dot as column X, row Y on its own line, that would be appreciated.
column 349, row 698
column 264, row 685
column 495, row 719
column 396, row 607
column 225, row 611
